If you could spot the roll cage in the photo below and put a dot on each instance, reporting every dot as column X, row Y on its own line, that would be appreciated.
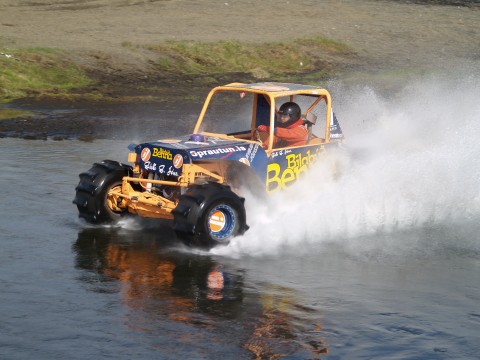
column 267, row 98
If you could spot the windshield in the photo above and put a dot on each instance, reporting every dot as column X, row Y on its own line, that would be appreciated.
column 231, row 112
column 228, row 112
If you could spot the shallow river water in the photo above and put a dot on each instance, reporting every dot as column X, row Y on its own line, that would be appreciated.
column 383, row 262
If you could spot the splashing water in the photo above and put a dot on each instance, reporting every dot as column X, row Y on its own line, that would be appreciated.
column 409, row 179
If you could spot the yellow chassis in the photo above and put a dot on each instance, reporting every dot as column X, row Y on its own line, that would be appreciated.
column 148, row 204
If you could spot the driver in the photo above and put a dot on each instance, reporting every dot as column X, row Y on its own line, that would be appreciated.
column 289, row 129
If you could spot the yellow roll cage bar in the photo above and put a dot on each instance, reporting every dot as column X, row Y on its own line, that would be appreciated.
column 271, row 91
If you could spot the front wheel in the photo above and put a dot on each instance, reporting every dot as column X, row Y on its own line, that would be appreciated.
column 220, row 222
column 211, row 214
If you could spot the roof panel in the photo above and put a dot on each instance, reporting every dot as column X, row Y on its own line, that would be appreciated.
column 274, row 86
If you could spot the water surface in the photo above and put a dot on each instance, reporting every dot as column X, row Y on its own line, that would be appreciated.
column 381, row 262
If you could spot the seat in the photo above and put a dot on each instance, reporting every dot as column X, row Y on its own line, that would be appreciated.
column 309, row 119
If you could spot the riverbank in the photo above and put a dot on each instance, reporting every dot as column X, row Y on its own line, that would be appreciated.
column 120, row 45
column 96, row 32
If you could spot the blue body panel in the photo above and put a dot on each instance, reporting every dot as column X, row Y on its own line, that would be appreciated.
column 166, row 157
column 281, row 169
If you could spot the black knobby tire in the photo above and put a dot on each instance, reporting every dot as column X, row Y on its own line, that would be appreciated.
column 210, row 214
column 93, row 188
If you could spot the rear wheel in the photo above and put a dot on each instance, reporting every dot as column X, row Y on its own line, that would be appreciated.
column 98, row 193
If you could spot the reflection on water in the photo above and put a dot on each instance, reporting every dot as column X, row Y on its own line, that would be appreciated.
column 276, row 329
column 146, row 272
column 161, row 287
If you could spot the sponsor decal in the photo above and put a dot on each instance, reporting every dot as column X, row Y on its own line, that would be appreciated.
column 201, row 153
column 335, row 129
column 161, row 169
column 217, row 221
column 178, row 161
column 145, row 155
column 244, row 161
column 251, row 152
column 297, row 164
column 150, row 166
column 162, row 153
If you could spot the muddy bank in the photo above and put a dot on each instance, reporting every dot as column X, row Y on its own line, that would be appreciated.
column 109, row 39
column 90, row 121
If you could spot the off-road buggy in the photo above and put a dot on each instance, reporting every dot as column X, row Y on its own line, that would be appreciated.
column 196, row 180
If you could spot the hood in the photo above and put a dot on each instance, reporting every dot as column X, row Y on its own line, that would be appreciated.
column 166, row 157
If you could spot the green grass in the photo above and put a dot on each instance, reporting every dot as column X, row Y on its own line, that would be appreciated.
column 261, row 60
column 43, row 72
column 14, row 114
column 37, row 71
